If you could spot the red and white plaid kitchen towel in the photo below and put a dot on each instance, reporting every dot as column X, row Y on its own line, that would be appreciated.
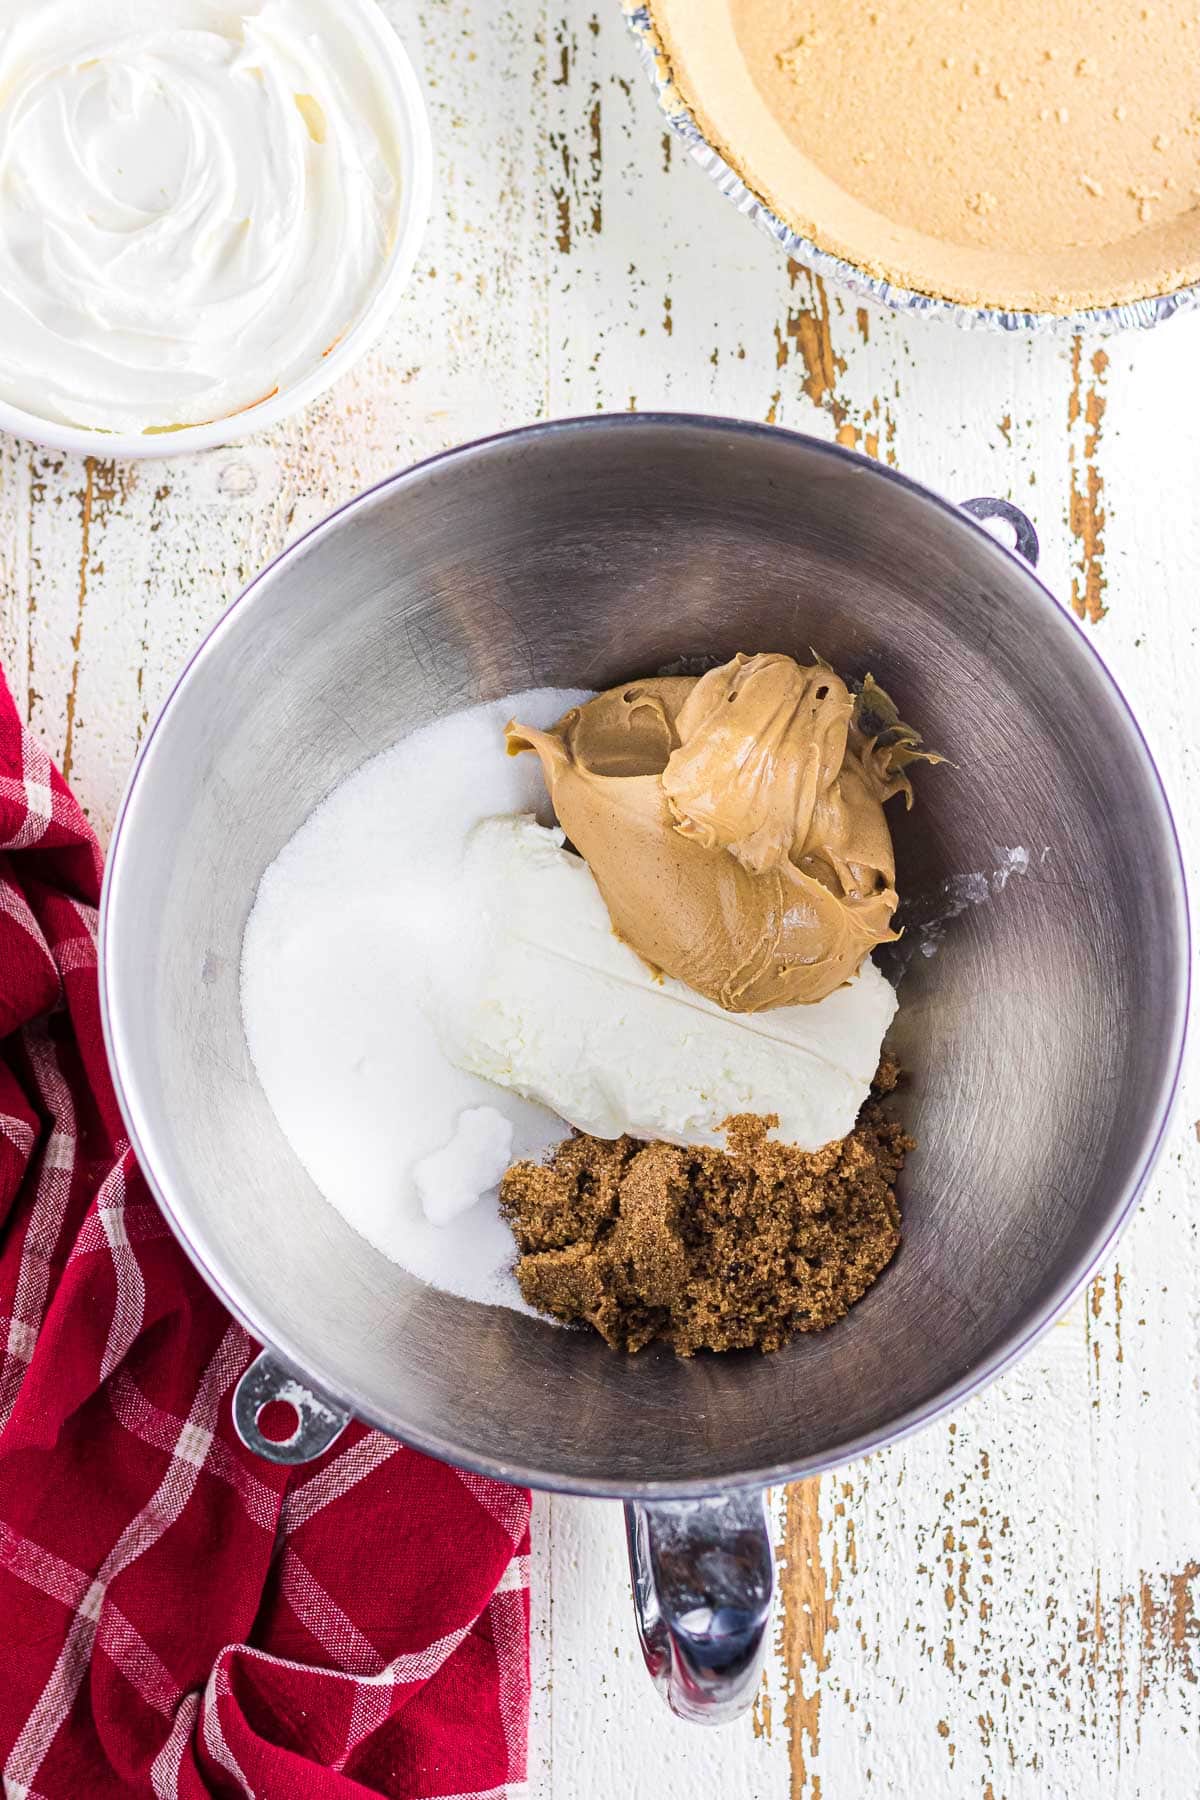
column 177, row 1617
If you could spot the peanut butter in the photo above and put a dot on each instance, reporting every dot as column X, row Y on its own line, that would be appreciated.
column 734, row 822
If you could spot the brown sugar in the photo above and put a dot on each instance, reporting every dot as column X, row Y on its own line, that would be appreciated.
column 708, row 1249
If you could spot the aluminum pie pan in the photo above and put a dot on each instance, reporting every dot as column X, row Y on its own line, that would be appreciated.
column 1139, row 314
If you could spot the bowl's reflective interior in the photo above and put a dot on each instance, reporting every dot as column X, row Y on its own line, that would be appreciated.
column 1039, row 1038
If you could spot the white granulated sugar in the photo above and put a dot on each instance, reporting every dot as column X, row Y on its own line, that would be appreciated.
column 348, row 924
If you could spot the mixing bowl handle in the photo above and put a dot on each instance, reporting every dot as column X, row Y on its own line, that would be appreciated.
column 703, row 1578
column 1025, row 537
column 319, row 1422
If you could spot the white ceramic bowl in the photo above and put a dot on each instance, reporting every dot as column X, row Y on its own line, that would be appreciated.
column 410, row 120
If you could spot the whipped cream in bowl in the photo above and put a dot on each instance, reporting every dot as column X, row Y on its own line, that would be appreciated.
column 207, row 211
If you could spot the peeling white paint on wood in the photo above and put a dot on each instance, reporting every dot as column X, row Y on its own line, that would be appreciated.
column 1007, row 1606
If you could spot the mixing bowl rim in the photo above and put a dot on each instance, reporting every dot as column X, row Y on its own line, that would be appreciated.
column 1017, row 1341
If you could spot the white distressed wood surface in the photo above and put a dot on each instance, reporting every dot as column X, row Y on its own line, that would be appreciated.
column 1007, row 1606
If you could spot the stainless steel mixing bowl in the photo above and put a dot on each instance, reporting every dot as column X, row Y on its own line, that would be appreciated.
column 1042, row 1037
